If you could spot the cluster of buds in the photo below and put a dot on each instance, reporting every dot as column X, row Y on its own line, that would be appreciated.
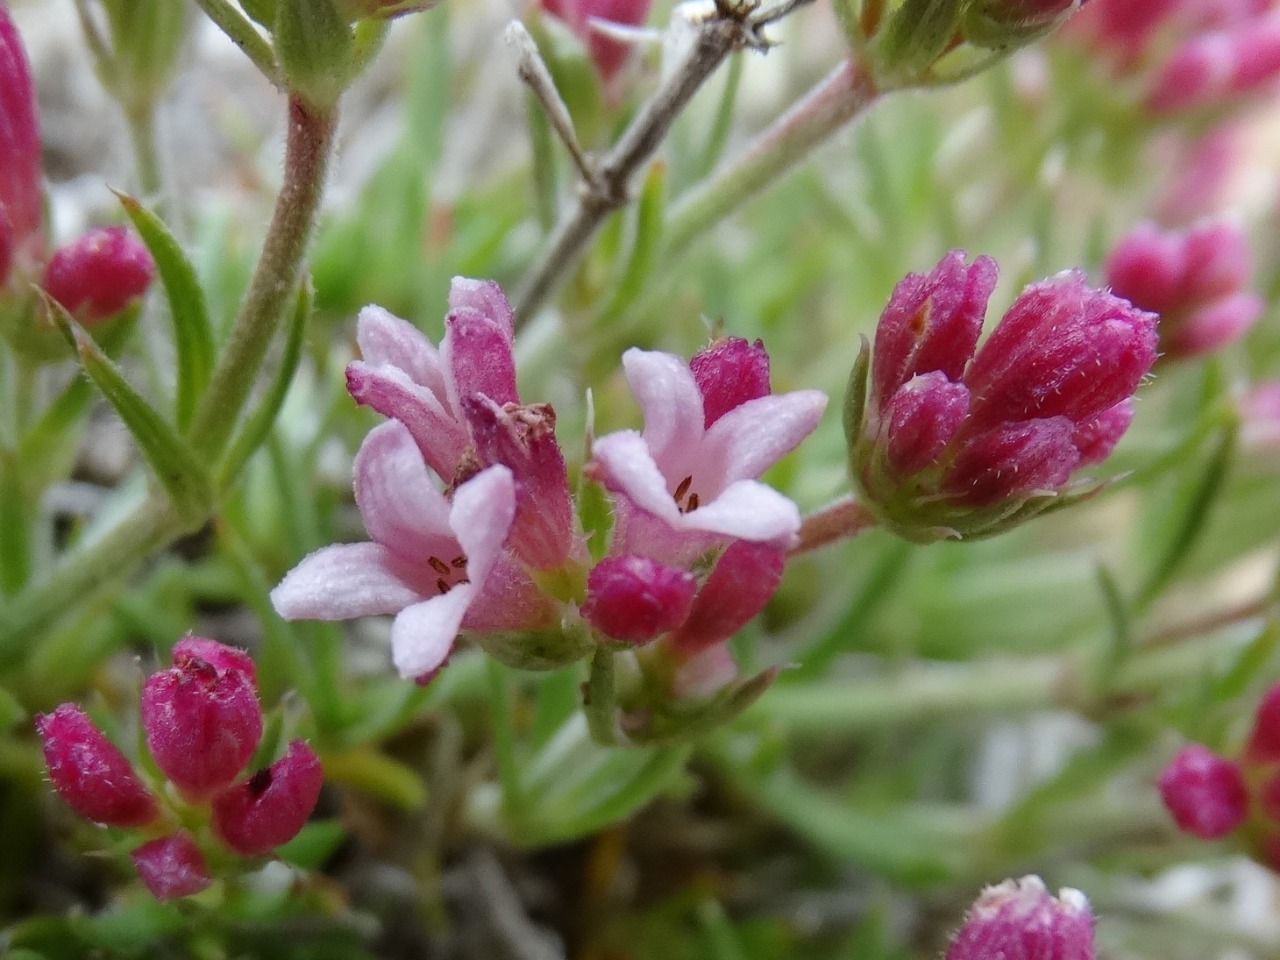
column 493, row 546
column 1021, row 920
column 96, row 276
column 1196, row 280
column 955, row 441
column 1192, row 53
column 1213, row 796
column 203, row 724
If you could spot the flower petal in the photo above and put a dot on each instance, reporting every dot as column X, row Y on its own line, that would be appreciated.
column 749, row 439
column 400, row 505
column 477, row 353
column 483, row 509
column 440, row 437
column 624, row 464
column 668, row 395
column 422, row 634
column 343, row 581
column 386, row 340
column 486, row 297
column 746, row 510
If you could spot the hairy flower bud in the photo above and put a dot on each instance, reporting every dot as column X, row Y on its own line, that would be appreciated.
column 1204, row 792
column 635, row 598
column 952, row 442
column 1194, row 279
column 1021, row 920
column 729, row 373
column 202, row 720
column 90, row 772
column 99, row 274
column 172, row 866
column 269, row 808
column 21, row 199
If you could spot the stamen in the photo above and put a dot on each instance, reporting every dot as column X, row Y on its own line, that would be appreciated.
column 439, row 566
column 683, row 488
column 458, row 562
column 442, row 586
column 693, row 503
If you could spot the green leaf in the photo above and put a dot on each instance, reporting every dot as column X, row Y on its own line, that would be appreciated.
column 645, row 244
column 313, row 845
column 175, row 464
column 11, row 711
column 258, row 426
column 1252, row 661
column 192, row 332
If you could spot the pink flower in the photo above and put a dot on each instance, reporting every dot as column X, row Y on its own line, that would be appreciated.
column 172, row 866
column 950, row 441
column 90, row 772
column 1194, row 279
column 404, row 377
column 1213, row 67
column 1204, row 792
column 439, row 566
column 202, row 719
column 268, row 809
column 684, row 485
column 1021, row 920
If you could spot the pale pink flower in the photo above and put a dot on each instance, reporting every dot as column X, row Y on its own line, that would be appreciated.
column 438, row 565
column 405, row 377
column 684, row 486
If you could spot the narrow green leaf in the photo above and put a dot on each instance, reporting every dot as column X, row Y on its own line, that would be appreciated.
column 255, row 429
column 15, row 521
column 1119, row 613
column 175, row 464
column 645, row 244
column 1252, row 660
column 1190, row 516
column 723, row 122
column 11, row 711
column 192, row 332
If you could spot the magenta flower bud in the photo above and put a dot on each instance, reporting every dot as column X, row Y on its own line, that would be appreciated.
column 202, row 722
column 729, row 373
column 1195, row 280
column 1062, row 349
column 923, row 417
column 523, row 439
column 1021, row 920
column 1096, row 438
column 932, row 322
column 1204, row 792
column 635, row 598
column 743, row 580
column 219, row 655
column 268, row 809
column 99, row 274
column 90, row 772
column 172, row 867
column 1213, row 67
column 1263, row 745
column 21, row 199
column 952, row 443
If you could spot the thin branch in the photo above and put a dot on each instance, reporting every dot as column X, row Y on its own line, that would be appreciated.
column 728, row 29
column 838, row 520
column 534, row 73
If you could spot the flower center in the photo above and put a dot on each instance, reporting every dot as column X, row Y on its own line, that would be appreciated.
column 451, row 573
column 685, row 498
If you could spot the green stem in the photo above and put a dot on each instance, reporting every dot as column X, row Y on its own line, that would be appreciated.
column 153, row 523
column 307, row 148
column 146, row 157
column 504, row 745
column 243, row 34
column 839, row 97
column 600, row 706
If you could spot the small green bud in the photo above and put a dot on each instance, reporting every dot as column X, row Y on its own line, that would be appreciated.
column 316, row 50
column 1007, row 24
column 914, row 37
column 146, row 36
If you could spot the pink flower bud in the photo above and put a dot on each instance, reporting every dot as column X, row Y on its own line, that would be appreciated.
column 99, row 274
column 1210, row 68
column 523, row 439
column 202, row 722
column 1021, row 920
column 923, row 417
column 931, row 323
column 744, row 578
column 7, row 248
column 729, row 373
column 1096, row 438
column 1213, row 327
column 269, row 808
column 635, row 598
column 1062, row 349
column 1263, row 745
column 219, row 655
column 172, row 866
column 90, row 772
column 1013, row 460
column 1204, row 792
column 21, row 199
